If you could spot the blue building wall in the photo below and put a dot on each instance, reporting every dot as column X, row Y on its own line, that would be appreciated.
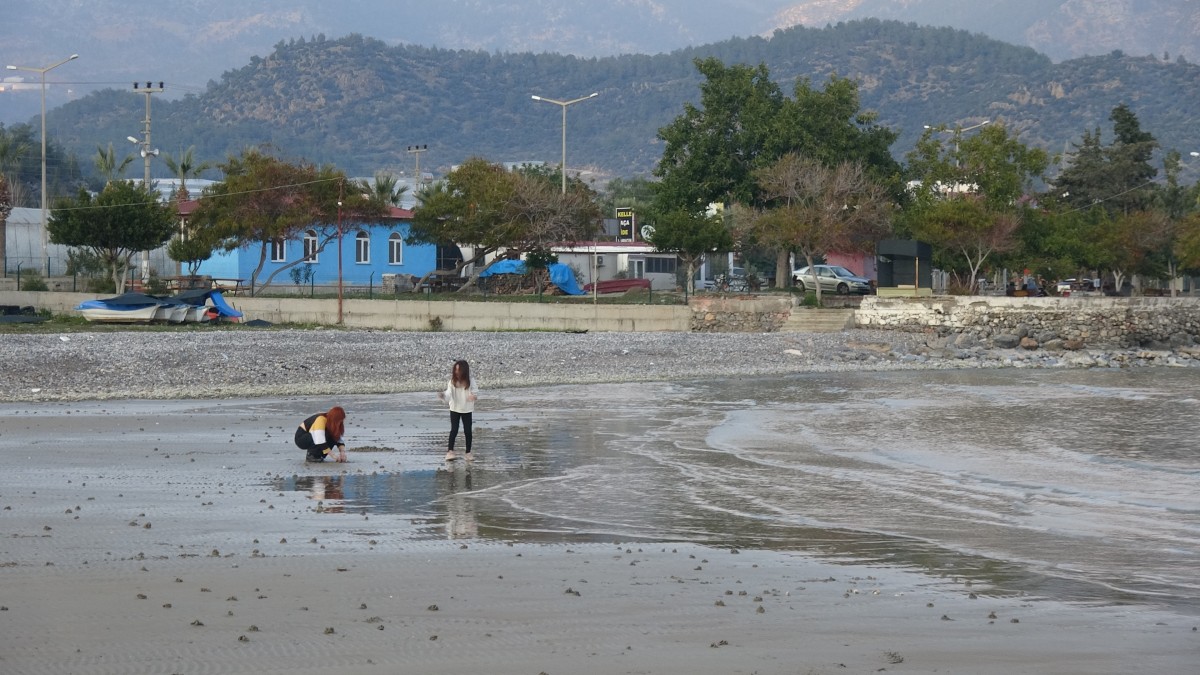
column 416, row 260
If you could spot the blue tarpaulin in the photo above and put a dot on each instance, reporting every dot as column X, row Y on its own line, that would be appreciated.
column 560, row 274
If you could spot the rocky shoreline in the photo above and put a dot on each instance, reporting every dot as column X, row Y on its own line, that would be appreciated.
column 245, row 363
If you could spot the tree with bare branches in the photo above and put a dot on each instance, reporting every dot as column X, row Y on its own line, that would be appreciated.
column 815, row 209
column 486, row 207
column 263, row 199
column 974, row 230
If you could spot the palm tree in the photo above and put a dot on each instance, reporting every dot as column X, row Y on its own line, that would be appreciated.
column 184, row 168
column 386, row 189
column 107, row 165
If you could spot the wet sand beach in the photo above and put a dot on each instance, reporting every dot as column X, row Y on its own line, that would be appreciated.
column 185, row 535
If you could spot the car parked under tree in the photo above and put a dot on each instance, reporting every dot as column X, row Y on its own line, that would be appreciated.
column 833, row 279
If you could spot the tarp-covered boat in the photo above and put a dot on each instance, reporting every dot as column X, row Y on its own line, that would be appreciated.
column 132, row 307
column 125, row 308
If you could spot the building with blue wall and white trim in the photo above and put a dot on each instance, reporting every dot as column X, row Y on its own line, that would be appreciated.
column 371, row 255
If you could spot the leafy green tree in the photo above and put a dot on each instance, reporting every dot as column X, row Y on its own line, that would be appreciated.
column 971, row 228
column 263, row 199
column 636, row 193
column 711, row 151
column 1004, row 169
column 746, row 123
column 123, row 220
column 468, row 208
column 191, row 252
column 1129, row 161
column 970, row 201
column 13, row 149
column 1128, row 240
column 1118, row 177
column 691, row 235
column 16, row 146
column 488, row 208
column 1186, row 247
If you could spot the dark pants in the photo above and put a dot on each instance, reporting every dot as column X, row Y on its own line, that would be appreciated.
column 304, row 441
column 466, row 425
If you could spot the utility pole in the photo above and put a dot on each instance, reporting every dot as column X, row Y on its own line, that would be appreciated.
column 417, row 150
column 147, row 152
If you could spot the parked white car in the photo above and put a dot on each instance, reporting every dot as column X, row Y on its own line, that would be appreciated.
column 833, row 279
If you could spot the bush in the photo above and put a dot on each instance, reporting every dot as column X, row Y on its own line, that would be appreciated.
column 809, row 299
column 31, row 280
column 155, row 285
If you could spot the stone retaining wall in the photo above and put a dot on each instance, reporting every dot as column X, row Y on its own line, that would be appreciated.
column 738, row 314
column 1052, row 323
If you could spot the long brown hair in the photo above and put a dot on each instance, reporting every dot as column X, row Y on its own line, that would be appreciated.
column 335, row 422
column 460, row 374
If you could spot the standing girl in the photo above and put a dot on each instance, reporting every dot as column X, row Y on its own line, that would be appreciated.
column 460, row 395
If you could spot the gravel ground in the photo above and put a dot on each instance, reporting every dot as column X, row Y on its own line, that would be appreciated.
column 240, row 363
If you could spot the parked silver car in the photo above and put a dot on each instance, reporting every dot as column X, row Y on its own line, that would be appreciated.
column 833, row 279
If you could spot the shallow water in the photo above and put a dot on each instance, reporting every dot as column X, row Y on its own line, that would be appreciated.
column 1077, row 485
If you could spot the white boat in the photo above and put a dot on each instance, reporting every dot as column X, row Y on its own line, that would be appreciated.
column 127, row 308
column 197, row 314
column 171, row 312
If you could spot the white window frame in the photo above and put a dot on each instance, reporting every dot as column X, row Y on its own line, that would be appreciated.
column 395, row 249
column 310, row 248
column 362, row 248
column 278, row 250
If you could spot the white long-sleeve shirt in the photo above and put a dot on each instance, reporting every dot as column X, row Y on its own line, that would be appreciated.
column 456, row 397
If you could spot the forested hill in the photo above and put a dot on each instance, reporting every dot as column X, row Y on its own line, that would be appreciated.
column 359, row 103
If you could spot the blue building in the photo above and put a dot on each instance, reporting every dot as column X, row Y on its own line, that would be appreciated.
column 368, row 252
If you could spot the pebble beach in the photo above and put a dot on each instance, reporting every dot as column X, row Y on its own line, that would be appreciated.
column 225, row 363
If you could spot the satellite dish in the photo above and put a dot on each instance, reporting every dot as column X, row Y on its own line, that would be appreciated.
column 647, row 232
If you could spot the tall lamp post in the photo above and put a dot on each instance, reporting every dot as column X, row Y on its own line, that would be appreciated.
column 147, row 152
column 341, row 194
column 416, row 151
column 958, row 132
column 43, row 71
column 563, row 105
column 563, row 167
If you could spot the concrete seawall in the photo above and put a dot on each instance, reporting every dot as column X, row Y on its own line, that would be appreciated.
column 419, row 315
column 1067, row 323
column 1071, row 323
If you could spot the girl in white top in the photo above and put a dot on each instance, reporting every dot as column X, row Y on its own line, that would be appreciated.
column 460, row 395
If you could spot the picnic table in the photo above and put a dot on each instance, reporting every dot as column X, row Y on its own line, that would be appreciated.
column 188, row 282
column 225, row 285
column 203, row 282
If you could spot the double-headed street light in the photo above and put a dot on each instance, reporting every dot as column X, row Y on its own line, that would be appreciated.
column 958, row 131
column 564, row 105
column 42, row 72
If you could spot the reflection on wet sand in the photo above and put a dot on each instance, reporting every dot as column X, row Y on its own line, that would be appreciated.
column 461, row 522
column 953, row 479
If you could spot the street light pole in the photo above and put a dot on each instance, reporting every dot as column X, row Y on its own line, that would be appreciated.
column 147, row 152
column 958, row 132
column 43, row 71
column 563, row 166
column 341, row 193
column 564, row 105
column 417, row 150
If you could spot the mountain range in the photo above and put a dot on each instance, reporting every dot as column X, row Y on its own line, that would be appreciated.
column 187, row 43
column 360, row 103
